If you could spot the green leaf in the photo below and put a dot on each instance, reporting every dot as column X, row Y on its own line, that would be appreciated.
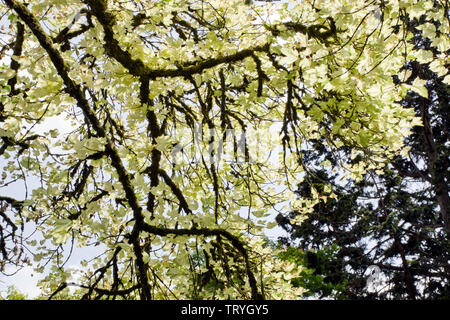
column 419, row 87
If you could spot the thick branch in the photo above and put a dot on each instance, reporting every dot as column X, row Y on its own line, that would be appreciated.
column 176, row 191
column 137, row 68
column 17, row 51
column 16, row 204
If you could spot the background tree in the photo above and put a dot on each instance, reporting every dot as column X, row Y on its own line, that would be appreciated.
column 170, row 164
column 397, row 219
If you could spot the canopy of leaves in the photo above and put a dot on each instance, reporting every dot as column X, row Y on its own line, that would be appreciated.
column 149, row 168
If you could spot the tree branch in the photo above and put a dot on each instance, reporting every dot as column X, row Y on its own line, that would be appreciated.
column 211, row 232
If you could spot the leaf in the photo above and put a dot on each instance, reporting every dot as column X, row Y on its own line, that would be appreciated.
column 419, row 87
column 424, row 56
column 271, row 225
column 447, row 79
column 326, row 163
column 7, row 74
column 259, row 213
column 163, row 143
column 290, row 56
column 428, row 30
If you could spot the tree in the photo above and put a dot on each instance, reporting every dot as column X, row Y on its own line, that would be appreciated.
column 170, row 164
column 402, row 212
